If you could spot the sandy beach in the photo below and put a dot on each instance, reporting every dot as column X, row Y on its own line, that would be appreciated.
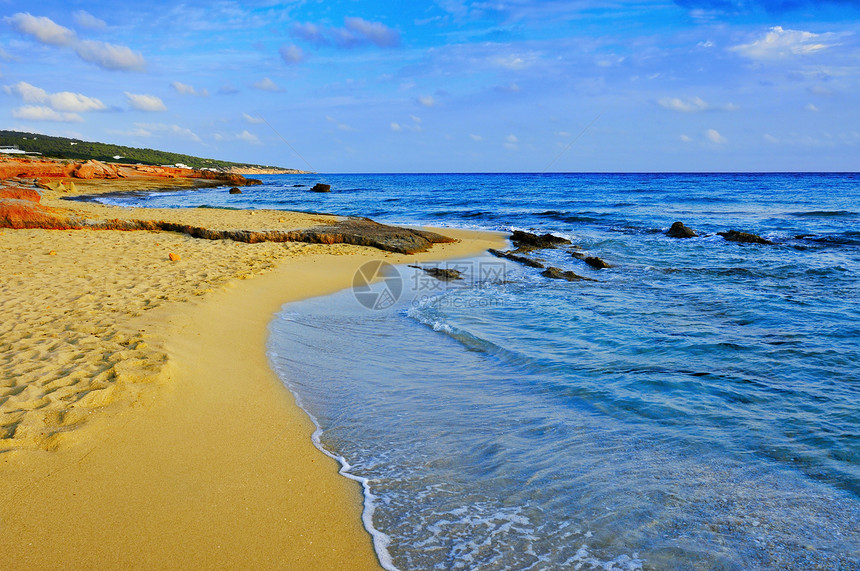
column 140, row 423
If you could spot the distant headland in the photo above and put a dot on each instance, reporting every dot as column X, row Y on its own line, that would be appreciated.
column 20, row 143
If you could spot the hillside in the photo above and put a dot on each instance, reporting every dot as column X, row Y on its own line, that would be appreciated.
column 65, row 148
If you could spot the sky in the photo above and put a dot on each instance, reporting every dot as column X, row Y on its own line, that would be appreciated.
column 446, row 86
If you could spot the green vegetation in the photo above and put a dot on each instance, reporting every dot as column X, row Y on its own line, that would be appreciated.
column 75, row 149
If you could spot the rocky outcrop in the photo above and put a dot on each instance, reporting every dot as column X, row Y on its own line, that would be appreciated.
column 21, row 193
column 743, row 237
column 95, row 169
column 18, row 213
column 526, row 241
column 678, row 230
column 559, row 274
column 441, row 274
column 28, row 168
column 34, row 168
column 320, row 187
column 235, row 190
column 596, row 263
column 23, row 213
column 516, row 258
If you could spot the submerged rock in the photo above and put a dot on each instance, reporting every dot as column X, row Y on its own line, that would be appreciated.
column 596, row 263
column 559, row 274
column 320, row 187
column 743, row 237
column 678, row 230
column 526, row 241
column 235, row 190
column 442, row 274
column 516, row 258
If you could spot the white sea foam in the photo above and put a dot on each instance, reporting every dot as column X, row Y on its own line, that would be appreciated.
column 381, row 541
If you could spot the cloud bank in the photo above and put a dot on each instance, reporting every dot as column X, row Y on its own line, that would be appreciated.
column 107, row 56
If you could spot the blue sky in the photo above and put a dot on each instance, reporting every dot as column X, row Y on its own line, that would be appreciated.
column 446, row 86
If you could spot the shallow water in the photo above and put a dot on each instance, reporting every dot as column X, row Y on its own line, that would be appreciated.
column 694, row 407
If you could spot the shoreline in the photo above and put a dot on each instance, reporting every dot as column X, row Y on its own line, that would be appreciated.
column 209, row 463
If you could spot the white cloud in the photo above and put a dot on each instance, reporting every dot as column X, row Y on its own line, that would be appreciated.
column 102, row 54
column 42, row 113
column 427, row 101
column 693, row 105
column 511, row 142
column 779, row 43
column 248, row 137
column 292, row 54
column 340, row 126
column 714, row 136
column 812, row 107
column 476, row 137
column 86, row 20
column 148, row 129
column 373, row 32
column 253, row 120
column 516, row 61
column 771, row 139
column 684, row 106
column 267, row 84
column 74, row 102
column 29, row 93
column 110, row 56
column 686, row 139
column 355, row 32
column 43, row 29
column 145, row 102
column 415, row 126
column 63, row 101
column 186, row 89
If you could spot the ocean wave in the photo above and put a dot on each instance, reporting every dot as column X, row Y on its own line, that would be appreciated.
column 824, row 214
column 568, row 217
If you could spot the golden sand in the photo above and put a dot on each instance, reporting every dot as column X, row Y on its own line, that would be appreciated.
column 140, row 423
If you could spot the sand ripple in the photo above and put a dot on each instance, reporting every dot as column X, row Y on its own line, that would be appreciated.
column 68, row 299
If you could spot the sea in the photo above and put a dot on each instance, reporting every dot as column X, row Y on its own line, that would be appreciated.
column 696, row 405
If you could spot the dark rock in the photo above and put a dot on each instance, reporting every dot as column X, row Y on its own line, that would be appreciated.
column 298, row 186
column 743, row 237
column 514, row 257
column 526, row 241
column 442, row 274
column 678, row 230
column 596, row 263
column 559, row 274
column 320, row 187
column 577, row 255
column 235, row 190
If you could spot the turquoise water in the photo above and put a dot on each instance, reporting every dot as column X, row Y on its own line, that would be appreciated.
column 696, row 406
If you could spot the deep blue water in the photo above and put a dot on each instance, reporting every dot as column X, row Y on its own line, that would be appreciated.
column 696, row 406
